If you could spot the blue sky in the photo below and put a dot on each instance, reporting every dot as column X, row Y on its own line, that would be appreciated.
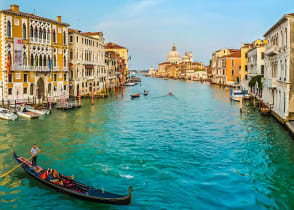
column 148, row 28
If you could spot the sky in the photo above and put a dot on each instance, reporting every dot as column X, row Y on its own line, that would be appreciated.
column 148, row 28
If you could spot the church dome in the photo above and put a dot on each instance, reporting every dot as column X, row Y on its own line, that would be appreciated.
column 185, row 58
column 174, row 56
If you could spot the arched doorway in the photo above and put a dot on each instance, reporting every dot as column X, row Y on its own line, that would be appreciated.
column 40, row 88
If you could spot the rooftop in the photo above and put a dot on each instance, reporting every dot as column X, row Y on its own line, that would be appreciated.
column 111, row 45
column 285, row 17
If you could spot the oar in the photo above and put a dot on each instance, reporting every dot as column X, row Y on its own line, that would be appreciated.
column 8, row 172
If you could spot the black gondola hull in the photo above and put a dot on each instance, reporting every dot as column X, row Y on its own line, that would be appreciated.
column 123, row 200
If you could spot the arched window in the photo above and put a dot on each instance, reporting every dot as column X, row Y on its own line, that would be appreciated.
column 49, row 88
column 40, row 33
column 24, row 31
column 32, row 32
column 48, row 35
column 233, row 72
column 40, row 60
column 32, row 60
column 44, row 61
column 25, row 59
column 36, row 32
column 8, row 29
column 44, row 34
column 64, row 37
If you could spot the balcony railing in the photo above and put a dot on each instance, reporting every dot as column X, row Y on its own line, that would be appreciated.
column 271, row 50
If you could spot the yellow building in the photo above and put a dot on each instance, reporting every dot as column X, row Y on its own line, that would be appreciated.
column 36, row 49
column 122, row 51
column 244, row 60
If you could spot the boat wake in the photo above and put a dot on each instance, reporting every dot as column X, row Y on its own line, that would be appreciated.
column 127, row 176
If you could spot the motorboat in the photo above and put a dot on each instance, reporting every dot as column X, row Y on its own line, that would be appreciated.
column 21, row 111
column 137, row 95
column 130, row 84
column 41, row 111
column 6, row 114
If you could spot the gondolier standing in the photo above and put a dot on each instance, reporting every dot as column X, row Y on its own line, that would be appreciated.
column 34, row 152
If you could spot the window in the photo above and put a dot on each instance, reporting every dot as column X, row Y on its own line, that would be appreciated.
column 32, row 60
column 44, row 61
column 70, row 38
column 246, row 68
column 77, row 39
column 55, row 77
column 25, row 77
column 25, row 90
column 40, row 61
column 8, row 29
column 24, row 31
column 54, row 36
column 25, row 59
column 10, row 78
column 40, row 33
column 32, row 89
column 32, row 32
column 262, row 55
column 44, row 34
column 55, row 88
column 233, row 62
column 36, row 32
column 262, row 69
column 64, row 87
column 233, row 72
column 71, row 55
column 54, row 60
column 64, row 61
column 64, row 76
column 246, row 77
column 82, row 40
column 64, row 37
column 9, row 91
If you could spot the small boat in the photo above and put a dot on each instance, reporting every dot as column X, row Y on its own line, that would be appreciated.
column 21, row 111
column 145, row 92
column 41, row 111
column 6, row 114
column 70, row 186
column 170, row 94
column 236, row 95
column 130, row 84
column 137, row 95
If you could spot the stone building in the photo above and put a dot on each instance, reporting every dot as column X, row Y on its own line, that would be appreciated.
column 34, row 56
column 87, row 63
column 278, row 91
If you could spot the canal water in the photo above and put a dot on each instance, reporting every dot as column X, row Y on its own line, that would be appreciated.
column 192, row 150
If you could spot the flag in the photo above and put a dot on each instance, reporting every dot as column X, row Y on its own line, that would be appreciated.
column 9, row 64
column 50, row 67
column 36, row 61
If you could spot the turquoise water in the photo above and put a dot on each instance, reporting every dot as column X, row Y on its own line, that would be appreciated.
column 192, row 150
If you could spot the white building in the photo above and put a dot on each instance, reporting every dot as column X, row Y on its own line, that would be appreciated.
column 255, row 65
column 278, row 91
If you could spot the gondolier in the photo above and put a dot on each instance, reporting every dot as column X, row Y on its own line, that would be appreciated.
column 34, row 152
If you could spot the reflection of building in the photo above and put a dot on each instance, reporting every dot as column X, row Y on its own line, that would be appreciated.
column 123, row 53
column 175, row 67
column 278, row 91
column 87, row 65
column 33, row 54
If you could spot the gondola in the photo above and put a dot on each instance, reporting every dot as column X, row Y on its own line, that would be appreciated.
column 137, row 95
column 75, row 188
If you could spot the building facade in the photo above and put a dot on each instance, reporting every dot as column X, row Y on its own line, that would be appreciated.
column 87, row 63
column 112, row 69
column 278, row 91
column 229, row 70
column 34, row 56
column 122, row 52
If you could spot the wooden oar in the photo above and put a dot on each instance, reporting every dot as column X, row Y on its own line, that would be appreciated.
column 8, row 172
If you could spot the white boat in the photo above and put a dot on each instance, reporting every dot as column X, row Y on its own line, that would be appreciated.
column 21, row 111
column 129, row 84
column 236, row 95
column 6, row 114
column 38, row 111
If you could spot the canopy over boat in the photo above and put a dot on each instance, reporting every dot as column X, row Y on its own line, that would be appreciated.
column 74, row 188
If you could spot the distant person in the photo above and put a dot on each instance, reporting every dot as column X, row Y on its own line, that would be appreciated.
column 34, row 152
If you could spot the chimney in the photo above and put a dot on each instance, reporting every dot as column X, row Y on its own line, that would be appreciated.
column 14, row 8
column 59, row 19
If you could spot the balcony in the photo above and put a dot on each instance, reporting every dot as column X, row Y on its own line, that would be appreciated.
column 271, row 83
column 271, row 50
